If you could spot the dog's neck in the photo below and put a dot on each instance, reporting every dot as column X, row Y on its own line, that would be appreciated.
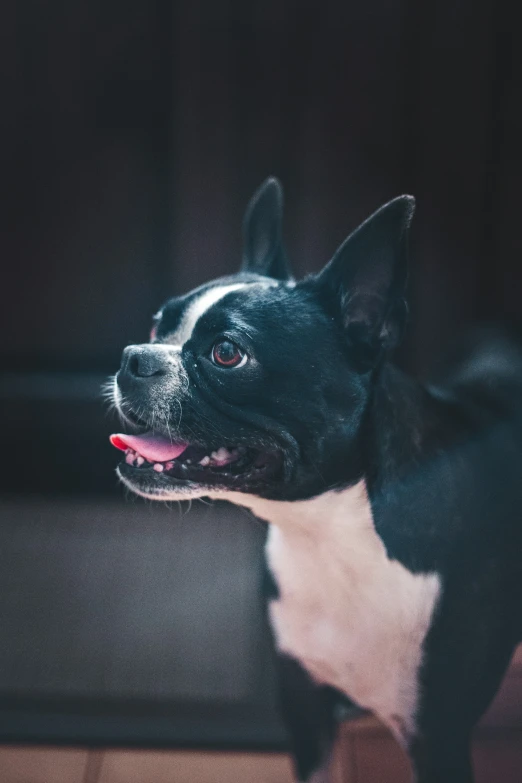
column 399, row 432
column 403, row 428
column 304, row 514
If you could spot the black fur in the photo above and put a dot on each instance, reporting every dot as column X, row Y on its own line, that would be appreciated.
column 320, row 397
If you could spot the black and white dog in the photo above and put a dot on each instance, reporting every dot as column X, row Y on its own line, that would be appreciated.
column 395, row 535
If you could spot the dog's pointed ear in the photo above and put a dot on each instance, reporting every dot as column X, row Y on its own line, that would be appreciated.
column 366, row 280
column 263, row 249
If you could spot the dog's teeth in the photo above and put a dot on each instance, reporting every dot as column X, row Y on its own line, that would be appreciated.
column 129, row 459
column 140, row 460
column 205, row 461
column 158, row 467
column 221, row 454
column 169, row 465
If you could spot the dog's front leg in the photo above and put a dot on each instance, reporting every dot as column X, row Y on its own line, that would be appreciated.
column 443, row 757
column 319, row 776
column 308, row 714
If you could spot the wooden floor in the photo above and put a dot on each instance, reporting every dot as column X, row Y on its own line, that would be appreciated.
column 370, row 757
column 365, row 753
column 41, row 765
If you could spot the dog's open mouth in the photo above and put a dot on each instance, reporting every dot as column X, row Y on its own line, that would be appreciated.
column 225, row 465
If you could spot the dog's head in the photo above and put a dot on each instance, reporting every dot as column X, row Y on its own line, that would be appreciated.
column 256, row 383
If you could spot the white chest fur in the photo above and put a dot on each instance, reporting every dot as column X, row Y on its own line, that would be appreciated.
column 354, row 618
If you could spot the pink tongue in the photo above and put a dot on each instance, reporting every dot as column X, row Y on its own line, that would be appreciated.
column 150, row 446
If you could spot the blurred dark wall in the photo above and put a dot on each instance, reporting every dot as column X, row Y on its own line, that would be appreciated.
column 87, row 129
column 134, row 132
column 132, row 135
column 352, row 103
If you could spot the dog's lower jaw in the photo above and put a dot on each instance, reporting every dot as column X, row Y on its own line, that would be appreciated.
column 190, row 491
column 182, row 492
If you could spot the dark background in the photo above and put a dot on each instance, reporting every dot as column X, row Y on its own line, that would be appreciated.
column 133, row 134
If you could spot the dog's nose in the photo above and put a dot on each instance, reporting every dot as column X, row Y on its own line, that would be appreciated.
column 143, row 361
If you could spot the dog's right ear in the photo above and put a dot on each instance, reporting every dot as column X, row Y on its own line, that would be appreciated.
column 263, row 250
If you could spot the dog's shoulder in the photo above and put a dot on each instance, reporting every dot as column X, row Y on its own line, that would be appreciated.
column 451, row 489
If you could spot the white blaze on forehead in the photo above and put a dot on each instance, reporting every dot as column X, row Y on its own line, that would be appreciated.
column 199, row 307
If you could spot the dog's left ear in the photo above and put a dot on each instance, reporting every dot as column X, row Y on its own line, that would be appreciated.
column 366, row 280
column 263, row 250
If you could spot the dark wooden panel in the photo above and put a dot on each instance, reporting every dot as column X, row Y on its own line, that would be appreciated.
column 450, row 147
column 87, row 113
column 502, row 279
column 351, row 107
column 259, row 94
column 123, row 119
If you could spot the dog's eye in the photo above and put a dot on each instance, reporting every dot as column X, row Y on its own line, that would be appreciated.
column 225, row 353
